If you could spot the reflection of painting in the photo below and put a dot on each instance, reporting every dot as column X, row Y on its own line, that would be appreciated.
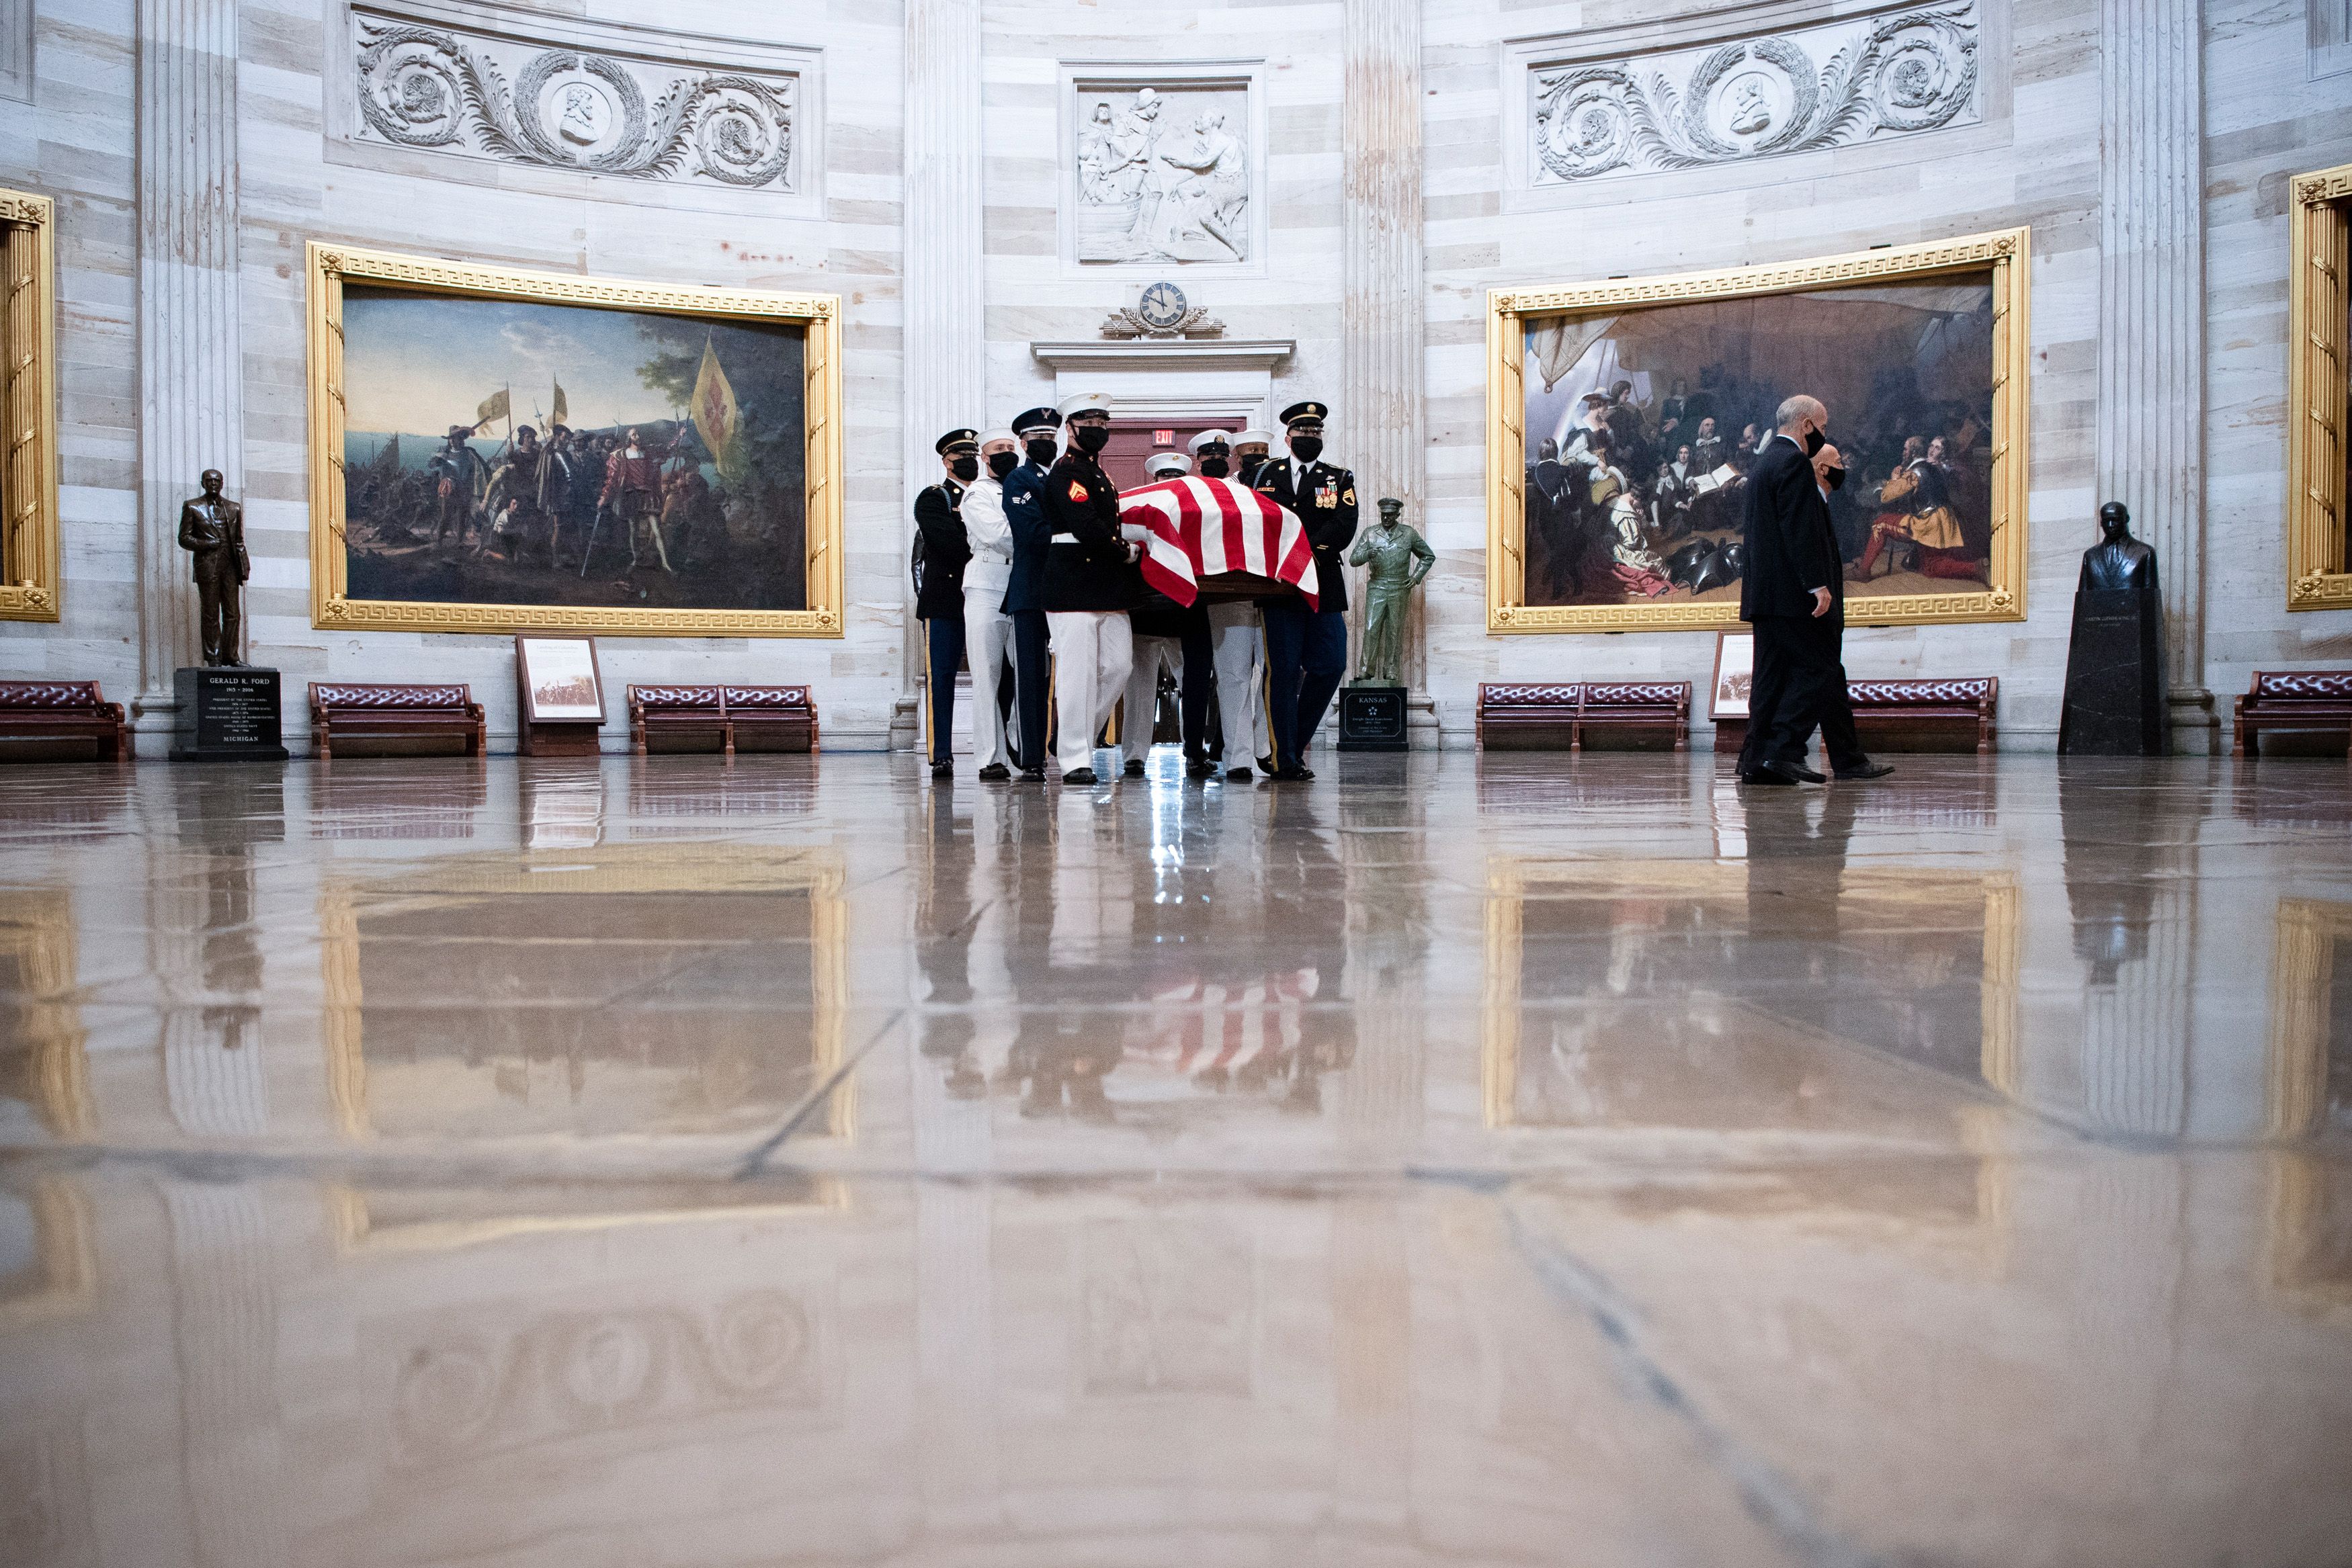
column 1628, row 416
column 498, row 449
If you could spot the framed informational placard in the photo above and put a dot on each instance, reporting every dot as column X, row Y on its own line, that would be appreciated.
column 559, row 680
column 1735, row 670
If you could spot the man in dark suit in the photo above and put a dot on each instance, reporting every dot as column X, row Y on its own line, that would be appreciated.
column 941, row 552
column 1024, row 594
column 1793, row 594
column 1306, row 650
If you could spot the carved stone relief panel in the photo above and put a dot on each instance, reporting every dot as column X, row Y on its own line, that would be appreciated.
column 16, row 49
column 1162, row 166
column 527, row 91
column 1889, row 71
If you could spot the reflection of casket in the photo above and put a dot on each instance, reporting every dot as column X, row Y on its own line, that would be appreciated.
column 1214, row 539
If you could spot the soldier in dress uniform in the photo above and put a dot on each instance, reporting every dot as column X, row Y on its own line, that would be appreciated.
column 1306, row 650
column 1088, row 587
column 1173, row 637
column 941, row 555
column 987, row 629
column 1251, row 448
column 1025, row 590
column 1236, row 647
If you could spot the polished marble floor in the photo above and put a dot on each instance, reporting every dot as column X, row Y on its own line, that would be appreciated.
column 1454, row 1161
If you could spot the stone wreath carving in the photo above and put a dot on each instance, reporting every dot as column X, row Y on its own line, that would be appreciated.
column 424, row 87
column 1758, row 98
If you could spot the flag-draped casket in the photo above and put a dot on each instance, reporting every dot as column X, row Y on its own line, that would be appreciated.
column 1216, row 534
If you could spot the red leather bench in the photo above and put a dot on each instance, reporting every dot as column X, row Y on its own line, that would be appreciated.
column 726, row 719
column 1955, row 714
column 2307, row 700
column 61, row 721
column 1557, row 715
column 360, row 718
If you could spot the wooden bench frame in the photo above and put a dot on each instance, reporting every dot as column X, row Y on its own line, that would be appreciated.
column 741, row 717
column 400, row 715
column 40, row 711
column 2291, row 699
column 1553, row 716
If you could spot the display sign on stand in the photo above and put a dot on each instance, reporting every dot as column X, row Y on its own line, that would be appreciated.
column 562, row 693
column 1726, row 697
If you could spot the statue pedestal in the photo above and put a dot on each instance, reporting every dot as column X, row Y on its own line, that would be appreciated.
column 2115, row 677
column 1373, row 718
column 227, row 714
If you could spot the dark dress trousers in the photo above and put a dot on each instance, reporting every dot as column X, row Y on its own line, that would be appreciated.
column 1800, row 678
column 1025, row 601
column 1306, row 650
column 941, row 552
column 1154, row 614
column 1085, row 560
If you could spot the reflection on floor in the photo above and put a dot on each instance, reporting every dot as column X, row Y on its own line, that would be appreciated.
column 1458, row 1160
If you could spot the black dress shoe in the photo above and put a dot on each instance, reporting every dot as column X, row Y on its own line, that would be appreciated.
column 1769, row 773
column 1294, row 775
column 995, row 773
column 1034, row 774
column 1080, row 776
column 943, row 770
column 1804, row 773
column 1134, row 767
column 1867, row 768
column 1200, row 768
column 1237, row 773
column 1265, row 765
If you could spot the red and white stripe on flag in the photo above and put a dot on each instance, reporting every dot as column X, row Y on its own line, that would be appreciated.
column 1198, row 527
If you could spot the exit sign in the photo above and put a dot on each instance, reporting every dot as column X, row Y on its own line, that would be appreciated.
column 1163, row 438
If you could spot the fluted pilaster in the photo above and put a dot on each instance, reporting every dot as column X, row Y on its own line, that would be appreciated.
column 2152, row 312
column 1378, row 402
column 945, row 348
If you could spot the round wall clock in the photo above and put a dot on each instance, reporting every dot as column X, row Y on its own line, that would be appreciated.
column 1161, row 307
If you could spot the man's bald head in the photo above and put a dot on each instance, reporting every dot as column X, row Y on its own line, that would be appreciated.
column 1824, row 460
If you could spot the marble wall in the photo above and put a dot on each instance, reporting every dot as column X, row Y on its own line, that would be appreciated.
column 2023, row 147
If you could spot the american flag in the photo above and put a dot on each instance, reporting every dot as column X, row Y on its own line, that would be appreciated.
column 1196, row 527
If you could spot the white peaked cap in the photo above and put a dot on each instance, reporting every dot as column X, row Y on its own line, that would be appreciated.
column 988, row 435
column 1209, row 438
column 1085, row 403
column 1160, row 464
column 1259, row 437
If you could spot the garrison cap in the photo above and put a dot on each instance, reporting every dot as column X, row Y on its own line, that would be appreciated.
column 1167, row 464
column 1085, row 403
column 955, row 440
column 1209, row 438
column 1297, row 413
column 1253, row 438
column 1030, row 419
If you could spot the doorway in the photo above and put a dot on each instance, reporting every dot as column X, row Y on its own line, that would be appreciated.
column 1133, row 439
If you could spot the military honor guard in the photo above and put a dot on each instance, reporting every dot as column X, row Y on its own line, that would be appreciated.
column 1173, row 637
column 1250, row 449
column 1088, row 586
column 940, row 556
column 1023, row 604
column 987, row 629
column 1306, row 650
column 1236, row 648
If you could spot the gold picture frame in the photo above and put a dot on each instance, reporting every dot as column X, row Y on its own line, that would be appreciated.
column 332, row 608
column 30, row 587
column 2005, row 254
column 2320, row 298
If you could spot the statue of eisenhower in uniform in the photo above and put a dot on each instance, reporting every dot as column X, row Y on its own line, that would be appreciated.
column 1399, row 558
column 212, row 528
column 2115, row 704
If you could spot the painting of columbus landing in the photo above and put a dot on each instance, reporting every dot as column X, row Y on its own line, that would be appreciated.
column 541, row 463
column 1641, row 422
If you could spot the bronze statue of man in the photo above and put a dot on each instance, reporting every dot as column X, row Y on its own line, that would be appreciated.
column 212, row 528
column 1399, row 558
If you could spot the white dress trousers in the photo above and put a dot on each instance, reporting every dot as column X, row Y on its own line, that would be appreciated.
column 1152, row 655
column 1092, row 651
column 987, row 629
column 1240, row 651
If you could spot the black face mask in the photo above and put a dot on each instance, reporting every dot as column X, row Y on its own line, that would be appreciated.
column 1041, row 450
column 964, row 468
column 1307, row 448
column 1091, row 438
column 1214, row 467
column 1814, row 441
column 1251, row 463
column 1834, row 478
column 1003, row 462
